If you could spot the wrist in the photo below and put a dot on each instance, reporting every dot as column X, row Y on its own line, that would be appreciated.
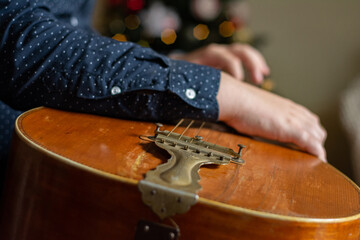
column 228, row 90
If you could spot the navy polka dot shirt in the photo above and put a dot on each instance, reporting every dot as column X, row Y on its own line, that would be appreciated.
column 51, row 57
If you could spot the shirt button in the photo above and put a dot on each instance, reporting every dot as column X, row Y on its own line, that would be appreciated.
column 190, row 93
column 115, row 90
column 74, row 21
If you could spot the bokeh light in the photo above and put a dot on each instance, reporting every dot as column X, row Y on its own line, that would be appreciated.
column 226, row 29
column 135, row 5
column 120, row 37
column 168, row 36
column 132, row 22
column 143, row 43
column 116, row 26
column 243, row 35
column 201, row 32
column 268, row 84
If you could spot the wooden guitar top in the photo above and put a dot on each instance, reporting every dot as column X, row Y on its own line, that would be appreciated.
column 274, row 181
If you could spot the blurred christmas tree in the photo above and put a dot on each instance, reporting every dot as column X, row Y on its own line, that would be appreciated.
column 168, row 25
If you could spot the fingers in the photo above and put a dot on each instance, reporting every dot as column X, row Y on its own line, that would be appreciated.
column 231, row 59
column 311, row 145
column 313, row 142
column 233, row 66
column 310, row 122
column 221, row 57
column 252, row 60
column 304, row 130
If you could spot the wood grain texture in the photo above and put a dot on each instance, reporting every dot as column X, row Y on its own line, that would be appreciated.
column 278, row 194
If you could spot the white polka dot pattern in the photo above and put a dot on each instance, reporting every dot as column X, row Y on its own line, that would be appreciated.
column 47, row 60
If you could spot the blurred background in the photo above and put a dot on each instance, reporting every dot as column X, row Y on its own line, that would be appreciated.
column 312, row 47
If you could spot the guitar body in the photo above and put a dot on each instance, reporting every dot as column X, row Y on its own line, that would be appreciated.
column 75, row 176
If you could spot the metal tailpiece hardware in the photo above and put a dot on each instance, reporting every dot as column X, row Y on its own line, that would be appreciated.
column 171, row 188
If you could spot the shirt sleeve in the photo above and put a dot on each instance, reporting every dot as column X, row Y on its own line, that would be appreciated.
column 49, row 62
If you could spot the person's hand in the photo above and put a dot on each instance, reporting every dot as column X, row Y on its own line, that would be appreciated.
column 231, row 59
column 256, row 112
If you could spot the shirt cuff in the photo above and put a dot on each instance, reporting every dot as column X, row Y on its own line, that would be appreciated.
column 197, row 86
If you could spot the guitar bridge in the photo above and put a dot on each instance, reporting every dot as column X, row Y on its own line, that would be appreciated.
column 171, row 188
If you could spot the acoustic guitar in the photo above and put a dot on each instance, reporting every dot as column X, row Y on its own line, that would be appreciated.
column 81, row 176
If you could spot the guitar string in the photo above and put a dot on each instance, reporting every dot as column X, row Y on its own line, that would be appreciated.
column 175, row 127
column 197, row 131
column 188, row 126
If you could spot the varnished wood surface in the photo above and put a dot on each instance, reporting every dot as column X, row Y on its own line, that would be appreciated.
column 278, row 194
column 274, row 179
